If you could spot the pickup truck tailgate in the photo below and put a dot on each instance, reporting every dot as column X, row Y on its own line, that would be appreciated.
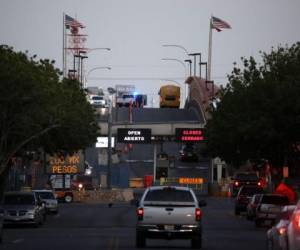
column 169, row 215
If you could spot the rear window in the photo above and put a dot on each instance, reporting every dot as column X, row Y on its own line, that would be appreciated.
column 275, row 199
column 246, row 177
column 17, row 199
column 251, row 191
column 46, row 195
column 97, row 98
column 169, row 195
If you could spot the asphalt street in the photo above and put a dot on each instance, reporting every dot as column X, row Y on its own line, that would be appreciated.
column 96, row 226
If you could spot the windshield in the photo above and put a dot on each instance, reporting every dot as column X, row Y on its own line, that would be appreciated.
column 97, row 98
column 251, row 191
column 246, row 177
column 17, row 199
column 46, row 195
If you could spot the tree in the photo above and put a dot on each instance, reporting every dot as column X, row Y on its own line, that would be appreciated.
column 39, row 110
column 259, row 113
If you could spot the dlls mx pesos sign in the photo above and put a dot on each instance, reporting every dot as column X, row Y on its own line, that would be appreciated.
column 65, row 164
column 134, row 135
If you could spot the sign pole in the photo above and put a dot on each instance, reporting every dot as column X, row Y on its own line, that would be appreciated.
column 154, row 161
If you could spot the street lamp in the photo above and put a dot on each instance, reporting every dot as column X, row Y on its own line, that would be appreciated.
column 176, row 60
column 190, row 65
column 93, row 69
column 111, row 92
column 195, row 61
column 182, row 63
column 177, row 46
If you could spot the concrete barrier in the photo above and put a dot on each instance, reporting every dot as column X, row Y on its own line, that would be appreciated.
column 103, row 196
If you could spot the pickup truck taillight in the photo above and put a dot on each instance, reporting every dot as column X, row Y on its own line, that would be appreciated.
column 140, row 213
column 197, row 213
column 297, row 220
column 236, row 183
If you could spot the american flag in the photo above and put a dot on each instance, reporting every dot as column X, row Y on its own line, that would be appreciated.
column 72, row 22
column 218, row 24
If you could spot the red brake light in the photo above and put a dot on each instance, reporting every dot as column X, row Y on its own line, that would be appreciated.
column 297, row 220
column 236, row 183
column 259, row 184
column 282, row 230
column 198, row 213
column 140, row 213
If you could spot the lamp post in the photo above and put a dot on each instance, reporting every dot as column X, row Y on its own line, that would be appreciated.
column 195, row 60
column 184, row 66
column 177, row 46
column 111, row 92
column 190, row 65
column 205, row 64
column 93, row 69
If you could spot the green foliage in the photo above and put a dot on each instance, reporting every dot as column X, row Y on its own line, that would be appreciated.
column 38, row 109
column 259, row 113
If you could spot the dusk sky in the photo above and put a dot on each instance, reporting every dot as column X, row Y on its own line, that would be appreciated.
column 135, row 30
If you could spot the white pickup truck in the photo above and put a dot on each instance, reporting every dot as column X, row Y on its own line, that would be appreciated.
column 166, row 212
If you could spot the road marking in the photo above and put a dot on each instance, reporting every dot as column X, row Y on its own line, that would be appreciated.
column 17, row 241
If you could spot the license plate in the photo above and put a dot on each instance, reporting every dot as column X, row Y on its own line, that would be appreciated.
column 169, row 227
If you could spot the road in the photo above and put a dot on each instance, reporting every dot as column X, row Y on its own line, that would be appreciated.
column 96, row 226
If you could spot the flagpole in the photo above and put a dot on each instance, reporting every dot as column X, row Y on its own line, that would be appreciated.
column 64, row 52
column 209, row 51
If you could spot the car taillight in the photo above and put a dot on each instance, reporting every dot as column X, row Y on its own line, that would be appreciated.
column 140, row 213
column 259, row 184
column 297, row 220
column 282, row 230
column 198, row 213
column 236, row 183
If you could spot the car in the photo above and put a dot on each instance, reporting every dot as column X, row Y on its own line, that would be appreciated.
column 64, row 194
column 243, row 198
column 97, row 100
column 169, row 212
column 251, row 207
column 188, row 154
column 293, row 229
column 48, row 197
column 1, row 224
column 23, row 208
column 276, row 235
column 268, row 208
column 244, row 179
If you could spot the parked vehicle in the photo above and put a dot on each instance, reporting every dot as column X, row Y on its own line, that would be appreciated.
column 293, row 229
column 252, row 205
column 276, row 235
column 48, row 197
column 97, row 100
column 169, row 213
column 64, row 194
column 243, row 198
column 244, row 179
column 188, row 154
column 268, row 208
column 23, row 208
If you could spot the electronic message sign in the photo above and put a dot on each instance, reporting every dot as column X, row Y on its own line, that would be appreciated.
column 65, row 164
column 189, row 134
column 134, row 135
